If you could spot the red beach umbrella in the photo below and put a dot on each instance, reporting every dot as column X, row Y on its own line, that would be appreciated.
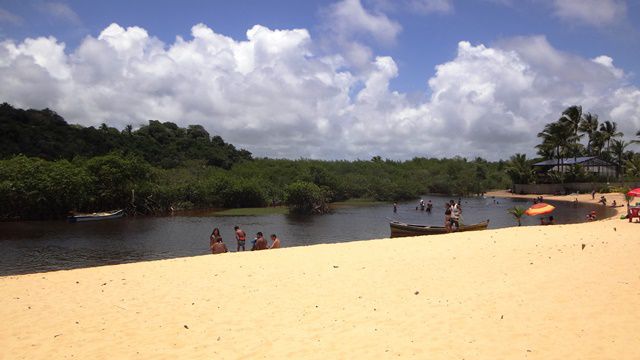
column 635, row 192
column 539, row 209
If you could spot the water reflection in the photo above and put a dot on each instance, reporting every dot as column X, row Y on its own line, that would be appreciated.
column 28, row 247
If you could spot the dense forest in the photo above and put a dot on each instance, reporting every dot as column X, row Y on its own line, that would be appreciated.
column 48, row 168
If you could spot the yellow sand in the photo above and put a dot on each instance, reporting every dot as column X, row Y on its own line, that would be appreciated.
column 517, row 293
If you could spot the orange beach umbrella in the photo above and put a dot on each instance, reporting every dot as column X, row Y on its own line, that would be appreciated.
column 539, row 209
column 635, row 192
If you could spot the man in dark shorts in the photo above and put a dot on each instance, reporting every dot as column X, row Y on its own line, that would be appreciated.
column 241, row 237
column 455, row 216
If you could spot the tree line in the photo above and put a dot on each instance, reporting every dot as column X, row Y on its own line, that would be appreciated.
column 49, row 168
column 46, row 135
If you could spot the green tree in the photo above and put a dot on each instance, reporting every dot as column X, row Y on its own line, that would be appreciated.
column 589, row 125
column 517, row 213
column 617, row 150
column 560, row 137
column 633, row 167
column 305, row 197
column 519, row 169
column 609, row 131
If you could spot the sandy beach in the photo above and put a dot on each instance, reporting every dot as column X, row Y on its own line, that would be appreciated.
column 540, row 292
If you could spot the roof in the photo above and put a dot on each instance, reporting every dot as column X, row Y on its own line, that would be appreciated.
column 594, row 160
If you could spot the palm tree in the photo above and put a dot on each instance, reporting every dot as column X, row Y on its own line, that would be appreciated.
column 617, row 151
column 597, row 144
column 517, row 213
column 609, row 130
column 633, row 166
column 519, row 169
column 558, row 136
column 589, row 126
column 571, row 117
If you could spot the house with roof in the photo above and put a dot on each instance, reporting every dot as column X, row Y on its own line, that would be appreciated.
column 591, row 164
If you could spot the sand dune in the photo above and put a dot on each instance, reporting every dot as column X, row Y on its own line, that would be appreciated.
column 553, row 292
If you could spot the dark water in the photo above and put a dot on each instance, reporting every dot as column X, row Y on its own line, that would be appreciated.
column 27, row 247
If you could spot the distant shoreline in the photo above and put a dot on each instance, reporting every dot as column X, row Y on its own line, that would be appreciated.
column 582, row 198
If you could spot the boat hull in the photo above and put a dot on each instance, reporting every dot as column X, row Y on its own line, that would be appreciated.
column 108, row 215
column 399, row 229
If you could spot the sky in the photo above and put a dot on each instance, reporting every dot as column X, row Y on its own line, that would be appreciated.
column 347, row 79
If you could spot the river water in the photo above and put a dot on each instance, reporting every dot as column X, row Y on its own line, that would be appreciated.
column 36, row 246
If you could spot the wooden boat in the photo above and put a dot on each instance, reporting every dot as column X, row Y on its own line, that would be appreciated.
column 107, row 215
column 399, row 229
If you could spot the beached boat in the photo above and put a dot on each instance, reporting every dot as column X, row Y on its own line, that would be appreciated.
column 107, row 215
column 399, row 229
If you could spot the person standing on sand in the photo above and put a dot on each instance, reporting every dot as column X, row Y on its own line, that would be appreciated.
column 276, row 242
column 447, row 217
column 454, row 217
column 241, row 237
column 214, row 238
column 593, row 194
column 261, row 242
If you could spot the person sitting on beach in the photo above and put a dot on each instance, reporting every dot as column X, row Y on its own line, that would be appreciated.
column 214, row 239
column 241, row 237
column 261, row 242
column 614, row 203
column 276, row 242
column 219, row 247
column 551, row 221
column 591, row 216
column 603, row 200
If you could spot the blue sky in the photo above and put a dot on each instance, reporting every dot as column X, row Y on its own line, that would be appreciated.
column 391, row 64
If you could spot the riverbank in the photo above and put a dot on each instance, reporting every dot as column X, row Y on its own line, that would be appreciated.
column 583, row 198
column 538, row 292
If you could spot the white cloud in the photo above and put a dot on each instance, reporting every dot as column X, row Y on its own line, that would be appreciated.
column 432, row 6
column 348, row 17
column 591, row 12
column 274, row 95
column 10, row 18
column 60, row 11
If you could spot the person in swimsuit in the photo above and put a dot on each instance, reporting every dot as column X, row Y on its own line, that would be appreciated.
column 447, row 217
column 241, row 237
column 214, row 239
column 261, row 242
column 454, row 216
column 276, row 242
column 219, row 247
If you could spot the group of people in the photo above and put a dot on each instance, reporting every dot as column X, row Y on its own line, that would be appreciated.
column 217, row 246
column 424, row 207
column 538, row 199
column 452, row 215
